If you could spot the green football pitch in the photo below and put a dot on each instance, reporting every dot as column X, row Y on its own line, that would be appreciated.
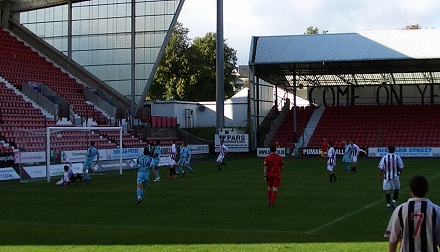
column 209, row 210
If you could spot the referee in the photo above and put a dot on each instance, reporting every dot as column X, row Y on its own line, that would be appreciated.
column 416, row 222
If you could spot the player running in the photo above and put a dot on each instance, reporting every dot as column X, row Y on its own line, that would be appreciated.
column 186, row 154
column 354, row 155
column 156, row 160
column 222, row 153
column 143, row 175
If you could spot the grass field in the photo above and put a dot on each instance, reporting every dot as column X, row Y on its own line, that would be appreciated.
column 209, row 210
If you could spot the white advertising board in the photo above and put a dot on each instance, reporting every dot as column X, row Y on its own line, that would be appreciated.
column 29, row 157
column 8, row 173
column 264, row 152
column 234, row 142
column 406, row 151
column 55, row 170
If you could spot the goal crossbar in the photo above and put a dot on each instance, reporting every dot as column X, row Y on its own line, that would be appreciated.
column 49, row 129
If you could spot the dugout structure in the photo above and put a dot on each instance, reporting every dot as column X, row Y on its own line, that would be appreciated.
column 390, row 67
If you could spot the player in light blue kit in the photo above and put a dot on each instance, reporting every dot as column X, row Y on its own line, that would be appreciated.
column 156, row 160
column 182, row 160
column 91, row 153
column 186, row 158
column 144, row 162
column 346, row 158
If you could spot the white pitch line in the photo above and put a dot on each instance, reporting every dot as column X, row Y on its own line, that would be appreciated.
column 57, row 224
column 357, row 211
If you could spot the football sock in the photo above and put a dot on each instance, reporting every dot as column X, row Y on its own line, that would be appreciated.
column 388, row 197
column 179, row 169
column 223, row 163
column 269, row 195
column 396, row 194
column 334, row 177
column 139, row 193
column 274, row 196
column 189, row 168
column 86, row 176
column 331, row 178
column 157, row 174
column 171, row 171
column 218, row 166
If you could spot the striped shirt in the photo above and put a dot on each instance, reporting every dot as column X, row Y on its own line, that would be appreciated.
column 391, row 164
column 173, row 151
column 417, row 223
column 331, row 157
column 223, row 150
column 355, row 150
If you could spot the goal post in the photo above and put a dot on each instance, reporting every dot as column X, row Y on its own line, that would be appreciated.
column 51, row 130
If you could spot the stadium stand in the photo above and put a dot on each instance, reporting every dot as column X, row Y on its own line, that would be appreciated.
column 19, row 118
column 376, row 126
column 20, row 64
column 284, row 135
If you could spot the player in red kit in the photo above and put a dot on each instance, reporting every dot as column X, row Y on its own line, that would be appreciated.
column 273, row 164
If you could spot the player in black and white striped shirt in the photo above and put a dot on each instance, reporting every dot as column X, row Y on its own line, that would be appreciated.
column 391, row 166
column 416, row 223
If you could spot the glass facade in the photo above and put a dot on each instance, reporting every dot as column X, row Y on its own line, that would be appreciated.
column 101, row 37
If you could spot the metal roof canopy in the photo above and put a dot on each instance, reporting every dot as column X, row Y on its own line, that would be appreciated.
column 363, row 58
column 18, row 6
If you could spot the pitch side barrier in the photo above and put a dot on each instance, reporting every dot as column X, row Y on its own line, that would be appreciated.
column 32, row 162
column 418, row 152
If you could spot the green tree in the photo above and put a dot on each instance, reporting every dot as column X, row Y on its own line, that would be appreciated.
column 188, row 70
column 173, row 72
column 203, row 85
column 314, row 30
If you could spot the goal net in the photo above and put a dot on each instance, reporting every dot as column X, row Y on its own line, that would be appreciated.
column 43, row 154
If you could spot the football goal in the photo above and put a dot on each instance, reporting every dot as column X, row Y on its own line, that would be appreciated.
column 43, row 154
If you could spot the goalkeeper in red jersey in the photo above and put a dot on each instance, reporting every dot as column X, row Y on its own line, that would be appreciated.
column 273, row 164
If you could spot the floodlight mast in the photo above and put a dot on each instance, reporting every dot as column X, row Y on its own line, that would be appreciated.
column 49, row 129
column 220, row 83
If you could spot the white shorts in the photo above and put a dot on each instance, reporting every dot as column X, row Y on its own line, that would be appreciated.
column 172, row 162
column 392, row 184
column 330, row 168
column 354, row 159
column 220, row 158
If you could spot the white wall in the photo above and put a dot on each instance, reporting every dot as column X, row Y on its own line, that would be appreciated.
column 204, row 113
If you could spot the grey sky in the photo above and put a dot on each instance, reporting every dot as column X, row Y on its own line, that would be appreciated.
column 246, row 18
